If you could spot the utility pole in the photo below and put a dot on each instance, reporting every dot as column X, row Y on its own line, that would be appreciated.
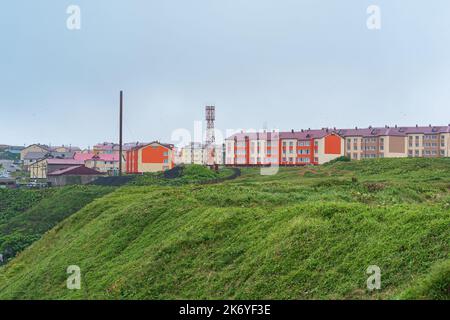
column 120, row 133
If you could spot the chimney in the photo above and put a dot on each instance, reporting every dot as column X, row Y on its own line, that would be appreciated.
column 417, row 125
column 356, row 128
column 370, row 127
column 429, row 125
column 396, row 126
column 292, row 130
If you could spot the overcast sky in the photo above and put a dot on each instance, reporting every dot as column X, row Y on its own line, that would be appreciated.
column 283, row 63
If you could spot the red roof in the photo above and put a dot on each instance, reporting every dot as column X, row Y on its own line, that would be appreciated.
column 75, row 171
column 300, row 135
column 362, row 132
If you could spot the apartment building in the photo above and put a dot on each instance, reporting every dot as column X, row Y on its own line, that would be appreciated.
column 320, row 146
column 428, row 141
column 152, row 157
column 197, row 153
column 283, row 148
column 371, row 142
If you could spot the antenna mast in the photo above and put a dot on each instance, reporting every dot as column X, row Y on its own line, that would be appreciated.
column 210, row 113
column 120, row 133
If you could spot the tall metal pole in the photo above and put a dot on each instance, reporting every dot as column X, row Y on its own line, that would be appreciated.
column 120, row 133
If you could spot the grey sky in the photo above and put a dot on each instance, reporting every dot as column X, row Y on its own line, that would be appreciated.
column 289, row 63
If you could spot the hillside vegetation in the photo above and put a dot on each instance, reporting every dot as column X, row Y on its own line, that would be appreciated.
column 25, row 215
column 189, row 174
column 305, row 233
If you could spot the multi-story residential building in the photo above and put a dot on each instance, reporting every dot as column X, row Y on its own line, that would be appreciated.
column 431, row 141
column 283, row 148
column 152, row 157
column 371, row 142
column 320, row 146
column 198, row 153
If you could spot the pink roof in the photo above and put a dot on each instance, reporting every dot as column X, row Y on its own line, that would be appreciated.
column 83, row 156
column 300, row 135
column 106, row 157
column 362, row 132
column 65, row 161
column 102, row 156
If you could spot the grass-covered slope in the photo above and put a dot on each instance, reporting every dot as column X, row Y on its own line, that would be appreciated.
column 25, row 215
column 302, row 234
column 188, row 174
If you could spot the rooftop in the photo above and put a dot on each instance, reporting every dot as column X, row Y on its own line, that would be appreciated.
column 80, row 170
column 361, row 132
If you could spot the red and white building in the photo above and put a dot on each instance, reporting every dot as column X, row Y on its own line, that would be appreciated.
column 320, row 146
column 283, row 148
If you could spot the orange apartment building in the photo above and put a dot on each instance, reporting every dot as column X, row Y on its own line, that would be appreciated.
column 152, row 157
column 313, row 147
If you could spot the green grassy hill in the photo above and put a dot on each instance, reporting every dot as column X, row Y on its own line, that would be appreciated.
column 25, row 215
column 305, row 233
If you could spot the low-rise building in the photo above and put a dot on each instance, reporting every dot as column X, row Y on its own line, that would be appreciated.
column 41, row 168
column 73, row 175
column 105, row 163
column 14, row 149
column 34, row 148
